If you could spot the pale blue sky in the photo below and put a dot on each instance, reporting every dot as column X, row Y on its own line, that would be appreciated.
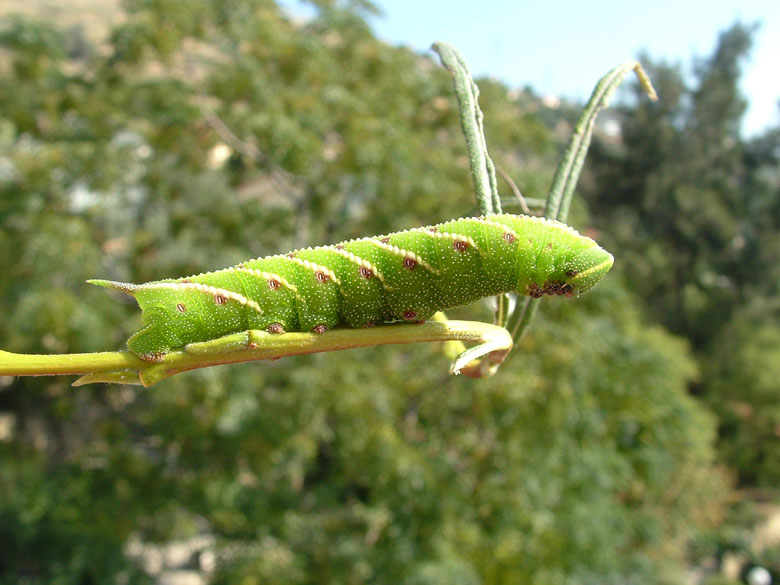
column 563, row 47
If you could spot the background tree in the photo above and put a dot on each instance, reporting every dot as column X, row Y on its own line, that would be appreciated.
column 693, row 208
column 675, row 192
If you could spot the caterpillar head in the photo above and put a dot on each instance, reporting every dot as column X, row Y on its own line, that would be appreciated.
column 575, row 276
column 588, row 268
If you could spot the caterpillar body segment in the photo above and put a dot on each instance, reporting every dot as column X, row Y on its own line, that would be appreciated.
column 405, row 276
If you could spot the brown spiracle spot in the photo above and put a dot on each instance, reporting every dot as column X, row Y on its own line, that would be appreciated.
column 275, row 328
column 410, row 315
column 509, row 237
column 366, row 272
column 550, row 288
column 274, row 284
column 321, row 277
column 339, row 246
column 186, row 281
column 320, row 328
column 181, row 308
column 251, row 345
column 385, row 240
column 220, row 300
column 433, row 229
column 571, row 273
column 460, row 245
column 558, row 288
column 410, row 263
column 291, row 255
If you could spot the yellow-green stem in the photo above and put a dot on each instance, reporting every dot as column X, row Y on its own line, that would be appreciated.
column 125, row 367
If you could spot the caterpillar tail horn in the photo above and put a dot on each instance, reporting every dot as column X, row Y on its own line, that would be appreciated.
column 125, row 287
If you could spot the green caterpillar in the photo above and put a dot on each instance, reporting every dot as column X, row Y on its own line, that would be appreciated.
column 405, row 276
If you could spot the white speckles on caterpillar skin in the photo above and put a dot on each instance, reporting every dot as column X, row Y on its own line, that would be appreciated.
column 365, row 268
column 219, row 295
column 409, row 260
column 321, row 273
column 460, row 243
column 274, row 280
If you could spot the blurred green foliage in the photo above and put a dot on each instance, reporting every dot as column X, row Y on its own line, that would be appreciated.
column 694, row 209
column 204, row 133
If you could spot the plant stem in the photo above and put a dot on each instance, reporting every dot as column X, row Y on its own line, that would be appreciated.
column 483, row 172
column 125, row 367
column 24, row 364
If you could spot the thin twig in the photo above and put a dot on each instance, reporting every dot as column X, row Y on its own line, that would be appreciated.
column 515, row 190
column 483, row 172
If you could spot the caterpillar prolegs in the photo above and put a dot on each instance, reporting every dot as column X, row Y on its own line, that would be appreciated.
column 404, row 276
